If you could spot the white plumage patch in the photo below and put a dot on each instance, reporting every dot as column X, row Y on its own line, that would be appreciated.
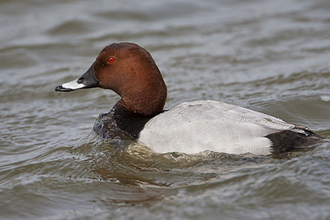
column 193, row 127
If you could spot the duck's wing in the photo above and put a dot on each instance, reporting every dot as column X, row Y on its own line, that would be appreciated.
column 212, row 110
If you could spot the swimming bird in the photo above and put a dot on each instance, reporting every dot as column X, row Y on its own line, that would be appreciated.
column 191, row 127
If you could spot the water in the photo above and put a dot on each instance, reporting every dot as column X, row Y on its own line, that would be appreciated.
column 270, row 56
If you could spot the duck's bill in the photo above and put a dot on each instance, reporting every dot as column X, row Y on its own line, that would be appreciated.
column 87, row 80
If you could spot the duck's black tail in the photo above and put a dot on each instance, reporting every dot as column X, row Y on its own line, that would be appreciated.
column 289, row 140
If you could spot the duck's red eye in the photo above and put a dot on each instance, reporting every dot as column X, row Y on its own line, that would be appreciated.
column 111, row 60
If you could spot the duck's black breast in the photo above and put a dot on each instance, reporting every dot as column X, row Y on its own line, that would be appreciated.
column 120, row 123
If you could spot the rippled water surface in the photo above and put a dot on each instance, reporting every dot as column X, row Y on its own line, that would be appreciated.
column 270, row 56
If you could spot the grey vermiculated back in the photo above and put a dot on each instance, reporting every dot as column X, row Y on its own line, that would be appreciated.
column 192, row 127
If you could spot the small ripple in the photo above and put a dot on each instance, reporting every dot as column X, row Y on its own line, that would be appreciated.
column 71, row 27
column 325, row 98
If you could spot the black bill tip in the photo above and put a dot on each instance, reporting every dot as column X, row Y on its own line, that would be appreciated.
column 62, row 89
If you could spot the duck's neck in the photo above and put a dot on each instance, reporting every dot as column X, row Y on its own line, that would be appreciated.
column 146, row 100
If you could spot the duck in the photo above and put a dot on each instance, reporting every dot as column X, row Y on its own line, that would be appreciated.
column 191, row 127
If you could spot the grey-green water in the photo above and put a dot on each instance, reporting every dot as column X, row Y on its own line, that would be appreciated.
column 270, row 56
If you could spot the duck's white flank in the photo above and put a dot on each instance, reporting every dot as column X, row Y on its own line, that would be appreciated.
column 193, row 127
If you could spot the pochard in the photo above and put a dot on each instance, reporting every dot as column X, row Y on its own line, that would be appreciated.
column 191, row 127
